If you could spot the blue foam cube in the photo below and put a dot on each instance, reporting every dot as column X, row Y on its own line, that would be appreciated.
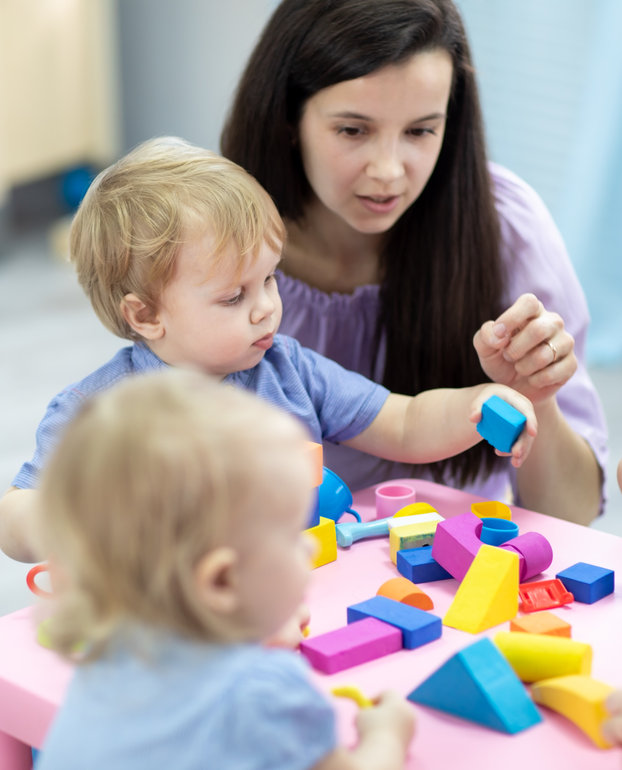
column 586, row 582
column 418, row 565
column 501, row 424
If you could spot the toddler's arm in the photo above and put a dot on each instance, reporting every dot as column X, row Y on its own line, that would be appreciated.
column 385, row 731
column 17, row 515
column 439, row 423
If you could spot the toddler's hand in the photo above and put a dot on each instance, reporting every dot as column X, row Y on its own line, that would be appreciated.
column 292, row 633
column 392, row 714
column 522, row 446
column 612, row 727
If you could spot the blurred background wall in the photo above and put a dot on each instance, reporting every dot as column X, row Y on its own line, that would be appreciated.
column 95, row 77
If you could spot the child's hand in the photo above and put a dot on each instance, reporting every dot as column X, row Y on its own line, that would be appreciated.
column 612, row 727
column 522, row 446
column 528, row 348
column 292, row 633
column 391, row 714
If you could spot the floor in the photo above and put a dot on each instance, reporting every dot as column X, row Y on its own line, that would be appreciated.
column 49, row 337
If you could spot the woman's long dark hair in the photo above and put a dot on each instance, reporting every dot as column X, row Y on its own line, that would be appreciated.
column 441, row 265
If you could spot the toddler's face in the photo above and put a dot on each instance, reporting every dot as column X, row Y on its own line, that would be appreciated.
column 275, row 554
column 220, row 323
column 620, row 475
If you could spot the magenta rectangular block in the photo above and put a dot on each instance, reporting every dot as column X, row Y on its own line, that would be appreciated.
column 351, row 645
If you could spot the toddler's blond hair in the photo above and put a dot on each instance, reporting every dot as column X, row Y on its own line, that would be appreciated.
column 128, row 230
column 148, row 478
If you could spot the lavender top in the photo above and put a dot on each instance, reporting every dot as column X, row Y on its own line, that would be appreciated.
column 342, row 326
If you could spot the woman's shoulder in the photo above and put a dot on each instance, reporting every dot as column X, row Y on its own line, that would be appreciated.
column 515, row 198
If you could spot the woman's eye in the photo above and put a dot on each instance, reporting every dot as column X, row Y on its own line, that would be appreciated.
column 422, row 131
column 350, row 130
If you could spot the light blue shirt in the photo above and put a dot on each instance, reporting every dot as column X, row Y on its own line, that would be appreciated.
column 184, row 706
column 334, row 403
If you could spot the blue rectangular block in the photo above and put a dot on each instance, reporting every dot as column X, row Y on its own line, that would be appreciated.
column 418, row 565
column 501, row 424
column 586, row 582
column 418, row 627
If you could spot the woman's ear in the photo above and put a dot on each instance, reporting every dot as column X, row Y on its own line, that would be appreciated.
column 140, row 318
column 216, row 580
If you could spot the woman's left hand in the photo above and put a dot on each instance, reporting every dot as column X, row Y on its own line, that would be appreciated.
column 528, row 348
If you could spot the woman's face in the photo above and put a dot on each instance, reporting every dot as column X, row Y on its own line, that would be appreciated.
column 369, row 145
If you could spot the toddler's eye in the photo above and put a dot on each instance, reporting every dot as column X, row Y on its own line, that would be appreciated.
column 233, row 300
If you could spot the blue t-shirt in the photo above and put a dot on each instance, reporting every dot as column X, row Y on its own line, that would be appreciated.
column 184, row 705
column 334, row 403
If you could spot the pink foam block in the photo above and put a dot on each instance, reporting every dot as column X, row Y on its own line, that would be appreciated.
column 456, row 542
column 534, row 552
column 351, row 645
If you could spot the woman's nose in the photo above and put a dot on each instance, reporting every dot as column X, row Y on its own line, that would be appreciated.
column 385, row 162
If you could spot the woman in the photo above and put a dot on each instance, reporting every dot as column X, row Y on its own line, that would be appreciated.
column 362, row 120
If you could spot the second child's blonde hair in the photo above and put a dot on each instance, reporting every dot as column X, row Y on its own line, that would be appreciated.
column 129, row 228
column 148, row 478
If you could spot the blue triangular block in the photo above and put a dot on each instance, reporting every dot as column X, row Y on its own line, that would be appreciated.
column 479, row 684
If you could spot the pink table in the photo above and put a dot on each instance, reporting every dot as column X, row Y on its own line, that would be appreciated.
column 33, row 680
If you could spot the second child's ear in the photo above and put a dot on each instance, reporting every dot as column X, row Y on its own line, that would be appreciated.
column 216, row 580
column 142, row 320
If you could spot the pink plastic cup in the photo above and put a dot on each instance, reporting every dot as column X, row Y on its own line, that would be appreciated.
column 391, row 497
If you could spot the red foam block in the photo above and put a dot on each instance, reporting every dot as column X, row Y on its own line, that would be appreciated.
column 351, row 645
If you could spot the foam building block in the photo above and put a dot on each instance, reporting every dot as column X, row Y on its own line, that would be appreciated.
column 418, row 565
column 580, row 699
column 413, row 509
column 325, row 542
column 488, row 595
column 478, row 684
column 414, row 534
column 587, row 582
column 534, row 551
column 351, row 645
column 403, row 590
column 543, row 595
column 540, row 656
column 418, row 627
column 501, row 423
column 315, row 454
column 456, row 541
column 544, row 622
column 491, row 509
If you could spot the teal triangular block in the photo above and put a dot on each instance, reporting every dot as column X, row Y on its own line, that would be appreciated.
column 479, row 684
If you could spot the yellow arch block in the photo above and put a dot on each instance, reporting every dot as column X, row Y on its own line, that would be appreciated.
column 580, row 699
column 541, row 656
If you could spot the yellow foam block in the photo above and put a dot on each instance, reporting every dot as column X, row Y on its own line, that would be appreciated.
column 325, row 536
column 540, row 656
column 488, row 593
column 316, row 455
column 543, row 622
column 491, row 509
column 415, row 509
column 413, row 535
column 580, row 699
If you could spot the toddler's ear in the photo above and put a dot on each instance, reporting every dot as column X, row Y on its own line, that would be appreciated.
column 215, row 580
column 620, row 475
column 140, row 318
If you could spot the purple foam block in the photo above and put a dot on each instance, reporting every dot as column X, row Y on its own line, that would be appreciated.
column 351, row 645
